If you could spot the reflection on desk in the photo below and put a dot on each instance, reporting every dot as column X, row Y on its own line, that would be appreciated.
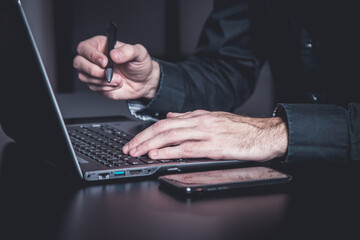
column 139, row 210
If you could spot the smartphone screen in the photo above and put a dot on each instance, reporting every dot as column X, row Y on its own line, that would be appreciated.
column 224, row 179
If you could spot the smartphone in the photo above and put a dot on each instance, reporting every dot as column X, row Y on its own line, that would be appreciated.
column 217, row 180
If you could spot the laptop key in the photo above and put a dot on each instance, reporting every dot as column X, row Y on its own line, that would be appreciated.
column 103, row 144
column 135, row 162
column 166, row 161
column 115, row 161
column 121, row 164
column 148, row 160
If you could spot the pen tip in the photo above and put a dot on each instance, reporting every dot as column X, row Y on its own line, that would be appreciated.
column 109, row 73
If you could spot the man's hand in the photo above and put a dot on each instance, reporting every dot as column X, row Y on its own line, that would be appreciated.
column 216, row 135
column 136, row 75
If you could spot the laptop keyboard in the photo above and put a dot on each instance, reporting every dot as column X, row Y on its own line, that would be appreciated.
column 104, row 143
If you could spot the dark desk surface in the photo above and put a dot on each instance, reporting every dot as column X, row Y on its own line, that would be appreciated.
column 38, row 202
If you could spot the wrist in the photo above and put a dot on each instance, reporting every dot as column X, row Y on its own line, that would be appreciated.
column 153, row 81
column 280, row 137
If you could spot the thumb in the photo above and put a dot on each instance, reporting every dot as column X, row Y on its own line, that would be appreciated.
column 124, row 53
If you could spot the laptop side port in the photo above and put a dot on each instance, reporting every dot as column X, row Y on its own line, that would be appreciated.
column 119, row 173
column 104, row 176
column 135, row 172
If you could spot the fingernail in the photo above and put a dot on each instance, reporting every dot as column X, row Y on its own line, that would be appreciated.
column 125, row 148
column 153, row 154
column 100, row 61
column 132, row 151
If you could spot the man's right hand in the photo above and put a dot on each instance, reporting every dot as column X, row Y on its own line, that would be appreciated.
column 135, row 75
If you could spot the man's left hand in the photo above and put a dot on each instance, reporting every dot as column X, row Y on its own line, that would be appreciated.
column 215, row 135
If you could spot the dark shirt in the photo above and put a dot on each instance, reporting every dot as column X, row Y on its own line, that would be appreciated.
column 312, row 48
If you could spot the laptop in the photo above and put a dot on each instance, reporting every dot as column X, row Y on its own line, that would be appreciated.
column 31, row 116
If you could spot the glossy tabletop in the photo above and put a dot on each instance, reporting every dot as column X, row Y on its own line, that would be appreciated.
column 40, row 202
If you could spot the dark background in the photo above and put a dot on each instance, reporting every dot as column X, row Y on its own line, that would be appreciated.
column 169, row 29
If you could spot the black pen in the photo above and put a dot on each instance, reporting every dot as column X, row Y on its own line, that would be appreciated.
column 111, row 40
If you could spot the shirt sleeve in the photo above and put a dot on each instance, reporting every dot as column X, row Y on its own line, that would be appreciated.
column 322, row 132
column 222, row 73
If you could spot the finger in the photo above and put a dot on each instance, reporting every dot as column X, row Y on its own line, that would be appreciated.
column 119, row 44
column 101, row 88
column 93, row 51
column 85, row 66
column 170, row 137
column 116, row 81
column 156, row 129
column 127, row 52
column 189, row 149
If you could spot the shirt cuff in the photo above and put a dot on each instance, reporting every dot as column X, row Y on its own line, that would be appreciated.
column 136, row 106
column 169, row 97
column 316, row 132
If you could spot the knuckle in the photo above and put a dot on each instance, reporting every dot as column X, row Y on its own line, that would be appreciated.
column 205, row 118
column 130, row 50
column 174, row 133
column 76, row 62
column 200, row 111
column 135, row 141
column 92, row 88
column 92, row 56
column 160, row 125
column 80, row 47
column 144, row 146
column 140, row 47
column 187, row 149
column 93, row 72
column 165, row 153
column 137, row 45
column 98, row 39
column 81, row 77
column 210, row 118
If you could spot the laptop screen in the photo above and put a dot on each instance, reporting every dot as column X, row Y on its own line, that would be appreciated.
column 29, row 112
